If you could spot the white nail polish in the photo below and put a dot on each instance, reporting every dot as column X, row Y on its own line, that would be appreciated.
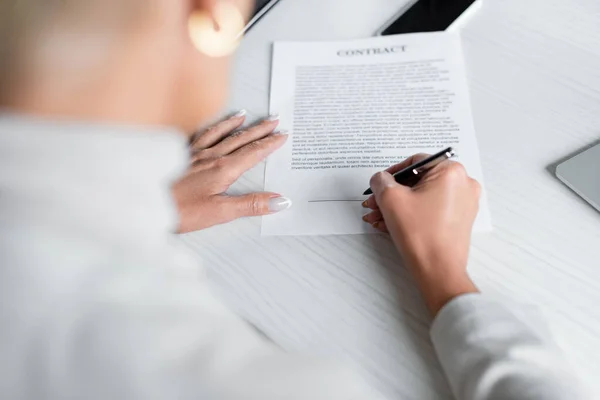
column 279, row 204
column 241, row 113
column 273, row 117
column 282, row 132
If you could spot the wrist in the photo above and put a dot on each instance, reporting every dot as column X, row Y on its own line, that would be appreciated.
column 440, row 290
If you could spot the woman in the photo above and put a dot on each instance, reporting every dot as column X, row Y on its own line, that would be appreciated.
column 97, row 98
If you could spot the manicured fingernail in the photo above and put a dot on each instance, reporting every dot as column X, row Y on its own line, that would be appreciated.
column 376, row 225
column 364, row 204
column 279, row 204
column 282, row 132
column 273, row 117
column 239, row 114
column 364, row 218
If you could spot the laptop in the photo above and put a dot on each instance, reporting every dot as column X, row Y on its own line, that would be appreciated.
column 262, row 8
column 582, row 175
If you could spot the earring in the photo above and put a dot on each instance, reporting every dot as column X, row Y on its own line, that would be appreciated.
column 212, row 41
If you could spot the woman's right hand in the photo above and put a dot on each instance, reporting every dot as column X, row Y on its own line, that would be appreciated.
column 430, row 225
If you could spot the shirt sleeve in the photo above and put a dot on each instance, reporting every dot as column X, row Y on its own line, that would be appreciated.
column 489, row 352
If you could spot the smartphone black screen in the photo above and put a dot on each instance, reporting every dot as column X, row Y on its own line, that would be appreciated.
column 260, row 4
column 429, row 16
column 261, row 7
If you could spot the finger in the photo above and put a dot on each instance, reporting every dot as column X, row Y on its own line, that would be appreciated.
column 373, row 217
column 403, row 165
column 382, row 181
column 371, row 203
column 213, row 135
column 240, row 139
column 381, row 226
column 407, row 163
column 254, row 205
column 250, row 155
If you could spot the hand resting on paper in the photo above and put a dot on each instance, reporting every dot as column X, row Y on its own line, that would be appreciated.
column 430, row 225
column 219, row 156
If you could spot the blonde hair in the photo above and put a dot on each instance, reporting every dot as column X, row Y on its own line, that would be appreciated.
column 26, row 26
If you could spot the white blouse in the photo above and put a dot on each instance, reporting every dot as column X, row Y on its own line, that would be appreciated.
column 98, row 303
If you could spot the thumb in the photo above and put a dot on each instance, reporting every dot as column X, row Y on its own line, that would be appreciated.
column 257, row 204
column 382, row 181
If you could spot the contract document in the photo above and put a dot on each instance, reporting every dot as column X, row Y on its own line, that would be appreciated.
column 355, row 108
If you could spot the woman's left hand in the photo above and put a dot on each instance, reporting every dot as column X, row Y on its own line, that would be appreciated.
column 219, row 156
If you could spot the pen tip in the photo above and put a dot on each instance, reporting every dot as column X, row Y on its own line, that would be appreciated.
column 367, row 192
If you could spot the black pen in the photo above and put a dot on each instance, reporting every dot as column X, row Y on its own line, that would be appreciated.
column 411, row 175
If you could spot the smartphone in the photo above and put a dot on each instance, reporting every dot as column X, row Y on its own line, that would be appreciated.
column 428, row 16
column 261, row 8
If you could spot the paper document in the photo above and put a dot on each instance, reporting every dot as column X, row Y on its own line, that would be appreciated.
column 355, row 108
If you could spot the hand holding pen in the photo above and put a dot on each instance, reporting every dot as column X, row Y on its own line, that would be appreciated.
column 412, row 173
column 430, row 224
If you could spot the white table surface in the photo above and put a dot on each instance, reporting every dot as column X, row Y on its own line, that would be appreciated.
column 534, row 73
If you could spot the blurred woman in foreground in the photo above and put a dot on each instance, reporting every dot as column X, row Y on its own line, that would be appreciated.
column 99, row 99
